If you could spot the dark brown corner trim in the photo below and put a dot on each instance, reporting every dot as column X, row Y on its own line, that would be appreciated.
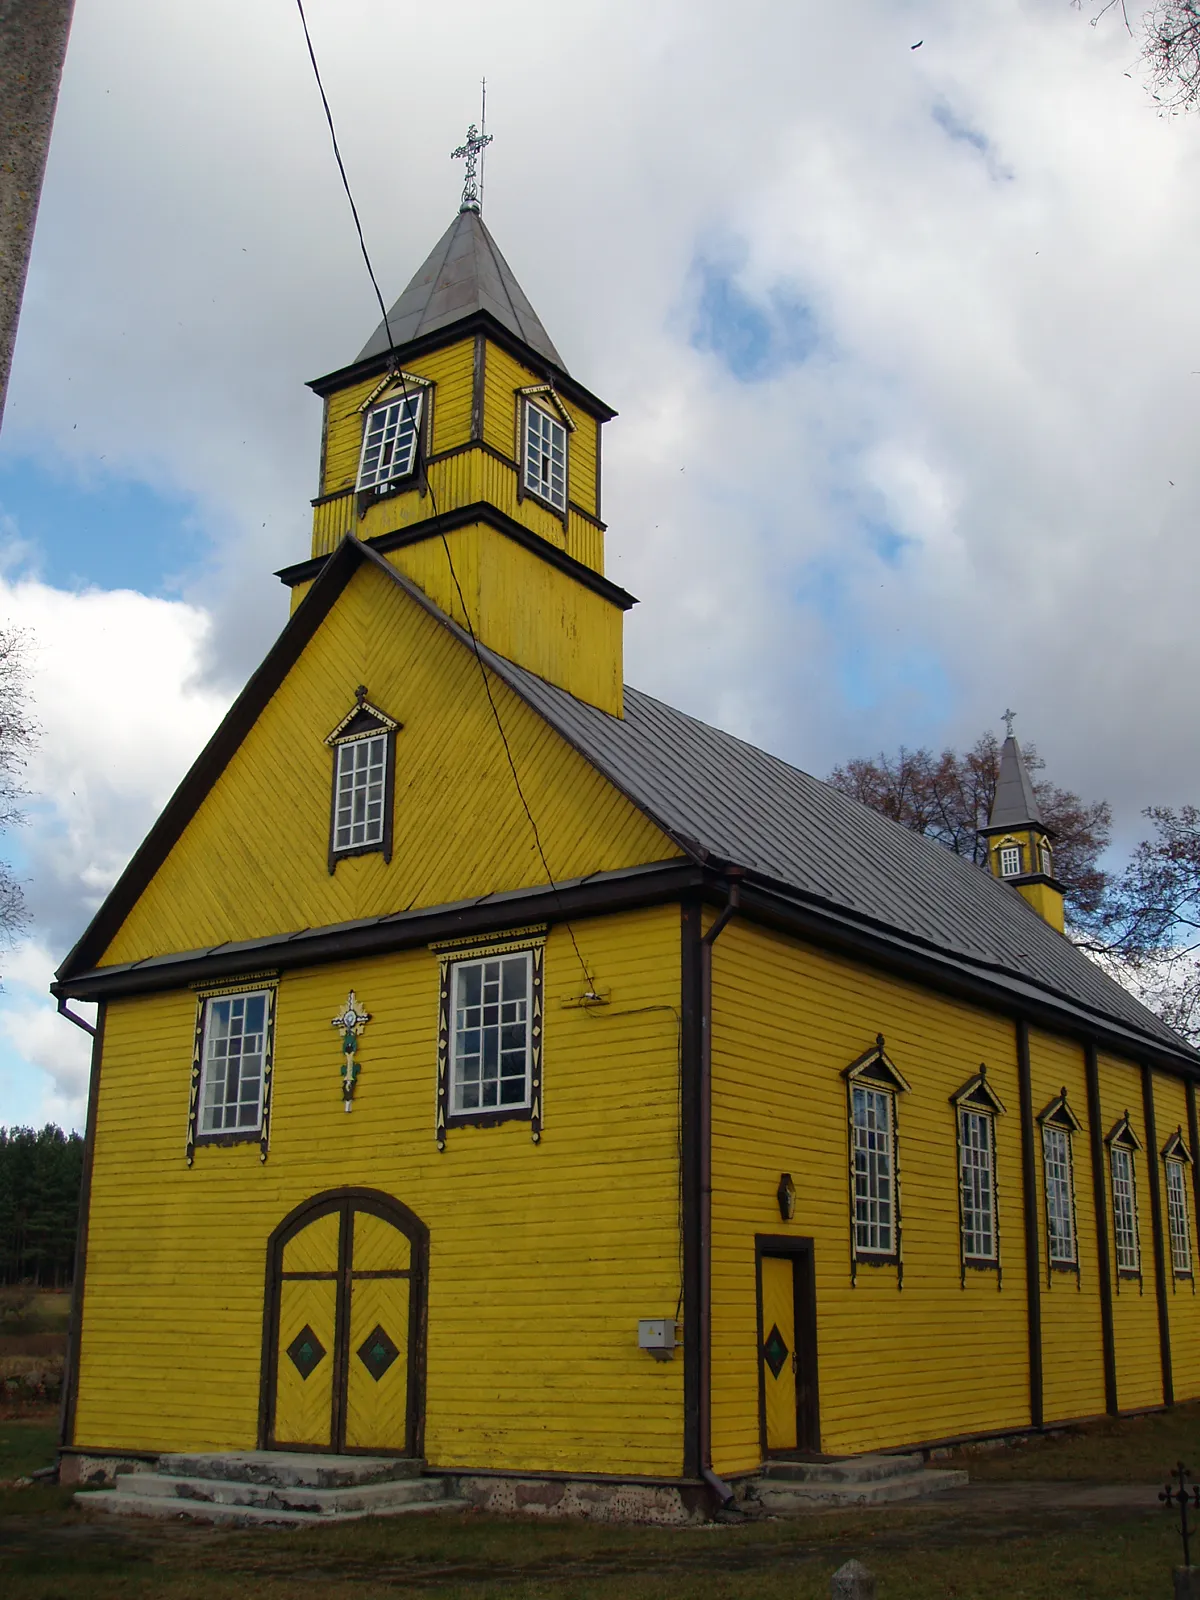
column 70, row 1396
column 463, row 516
column 456, row 333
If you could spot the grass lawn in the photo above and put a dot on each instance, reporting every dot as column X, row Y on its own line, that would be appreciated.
column 1128, row 1450
column 990, row 1542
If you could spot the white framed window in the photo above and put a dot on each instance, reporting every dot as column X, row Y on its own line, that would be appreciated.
column 389, row 449
column 1060, row 1198
column 1010, row 861
column 1047, row 865
column 874, row 1175
column 360, row 790
column 977, row 1175
column 234, row 1052
column 490, row 1055
column 545, row 456
column 1125, row 1228
column 1177, row 1221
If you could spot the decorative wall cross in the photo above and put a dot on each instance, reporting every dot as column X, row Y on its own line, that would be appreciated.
column 470, row 151
column 351, row 1022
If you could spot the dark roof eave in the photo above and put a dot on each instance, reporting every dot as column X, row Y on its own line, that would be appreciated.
column 463, row 516
column 475, row 322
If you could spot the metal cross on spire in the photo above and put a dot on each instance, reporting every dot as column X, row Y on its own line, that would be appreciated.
column 470, row 151
column 1007, row 718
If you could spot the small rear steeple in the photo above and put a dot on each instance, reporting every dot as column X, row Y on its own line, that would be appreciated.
column 1019, row 847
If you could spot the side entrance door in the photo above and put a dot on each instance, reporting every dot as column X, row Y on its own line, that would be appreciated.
column 789, row 1415
column 343, row 1345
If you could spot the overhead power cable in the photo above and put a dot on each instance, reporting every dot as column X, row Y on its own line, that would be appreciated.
column 421, row 460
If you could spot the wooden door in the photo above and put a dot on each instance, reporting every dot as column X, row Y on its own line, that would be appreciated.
column 307, row 1335
column 344, row 1344
column 778, row 1353
column 376, row 1413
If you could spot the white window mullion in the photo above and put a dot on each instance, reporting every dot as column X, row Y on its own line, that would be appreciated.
column 1124, row 1212
column 545, row 457
column 390, row 442
column 1177, row 1221
column 490, row 1057
column 235, row 1050
column 978, row 1186
column 1060, row 1210
column 360, row 793
column 874, row 1179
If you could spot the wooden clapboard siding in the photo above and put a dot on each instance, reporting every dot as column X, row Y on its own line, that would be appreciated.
column 938, row 1357
column 449, row 369
column 1183, row 1302
column 542, row 1257
column 504, row 378
column 1072, row 1343
column 523, row 609
column 253, row 859
column 1135, row 1309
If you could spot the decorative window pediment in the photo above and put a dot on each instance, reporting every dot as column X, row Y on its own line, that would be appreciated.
column 393, row 386
column 977, row 1094
column 1176, row 1150
column 1058, row 1114
column 877, row 1068
column 545, row 393
column 1122, row 1136
column 364, row 765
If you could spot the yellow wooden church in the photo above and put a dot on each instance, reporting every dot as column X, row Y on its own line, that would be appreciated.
column 500, row 1071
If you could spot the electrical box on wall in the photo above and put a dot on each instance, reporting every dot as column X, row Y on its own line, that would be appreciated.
column 656, row 1335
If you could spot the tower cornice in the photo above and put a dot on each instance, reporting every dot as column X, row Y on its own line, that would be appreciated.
column 477, row 322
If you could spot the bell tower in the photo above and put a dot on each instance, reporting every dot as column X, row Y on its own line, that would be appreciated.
column 1020, row 850
column 459, row 447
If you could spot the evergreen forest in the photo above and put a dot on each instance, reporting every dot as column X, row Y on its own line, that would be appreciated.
column 40, row 1172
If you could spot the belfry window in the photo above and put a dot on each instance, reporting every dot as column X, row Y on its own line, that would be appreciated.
column 545, row 470
column 234, row 1053
column 389, row 449
column 1010, row 860
column 364, row 751
column 1045, row 861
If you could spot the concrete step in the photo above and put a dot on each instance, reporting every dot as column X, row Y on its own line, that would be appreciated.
column 290, row 1468
column 776, row 1494
column 845, row 1469
column 388, row 1495
column 167, row 1507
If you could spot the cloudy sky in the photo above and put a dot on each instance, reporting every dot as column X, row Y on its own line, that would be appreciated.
column 901, row 342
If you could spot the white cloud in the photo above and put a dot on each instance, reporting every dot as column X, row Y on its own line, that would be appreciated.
column 116, row 686
column 993, row 236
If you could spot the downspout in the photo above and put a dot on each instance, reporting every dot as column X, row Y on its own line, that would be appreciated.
column 65, row 1011
column 718, row 1485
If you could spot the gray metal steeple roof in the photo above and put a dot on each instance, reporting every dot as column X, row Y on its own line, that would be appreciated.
column 464, row 273
column 1015, row 805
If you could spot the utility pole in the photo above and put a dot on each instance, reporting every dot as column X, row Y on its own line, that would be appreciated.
column 33, row 43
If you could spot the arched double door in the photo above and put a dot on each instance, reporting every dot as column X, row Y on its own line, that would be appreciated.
column 344, row 1332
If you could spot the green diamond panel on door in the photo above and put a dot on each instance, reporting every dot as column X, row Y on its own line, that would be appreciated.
column 775, row 1351
column 377, row 1352
column 306, row 1351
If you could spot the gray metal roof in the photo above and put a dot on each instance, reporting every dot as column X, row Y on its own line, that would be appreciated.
column 743, row 806
column 1015, row 804
column 463, row 273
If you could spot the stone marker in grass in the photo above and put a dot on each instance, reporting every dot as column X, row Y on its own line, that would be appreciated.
column 856, row 1582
